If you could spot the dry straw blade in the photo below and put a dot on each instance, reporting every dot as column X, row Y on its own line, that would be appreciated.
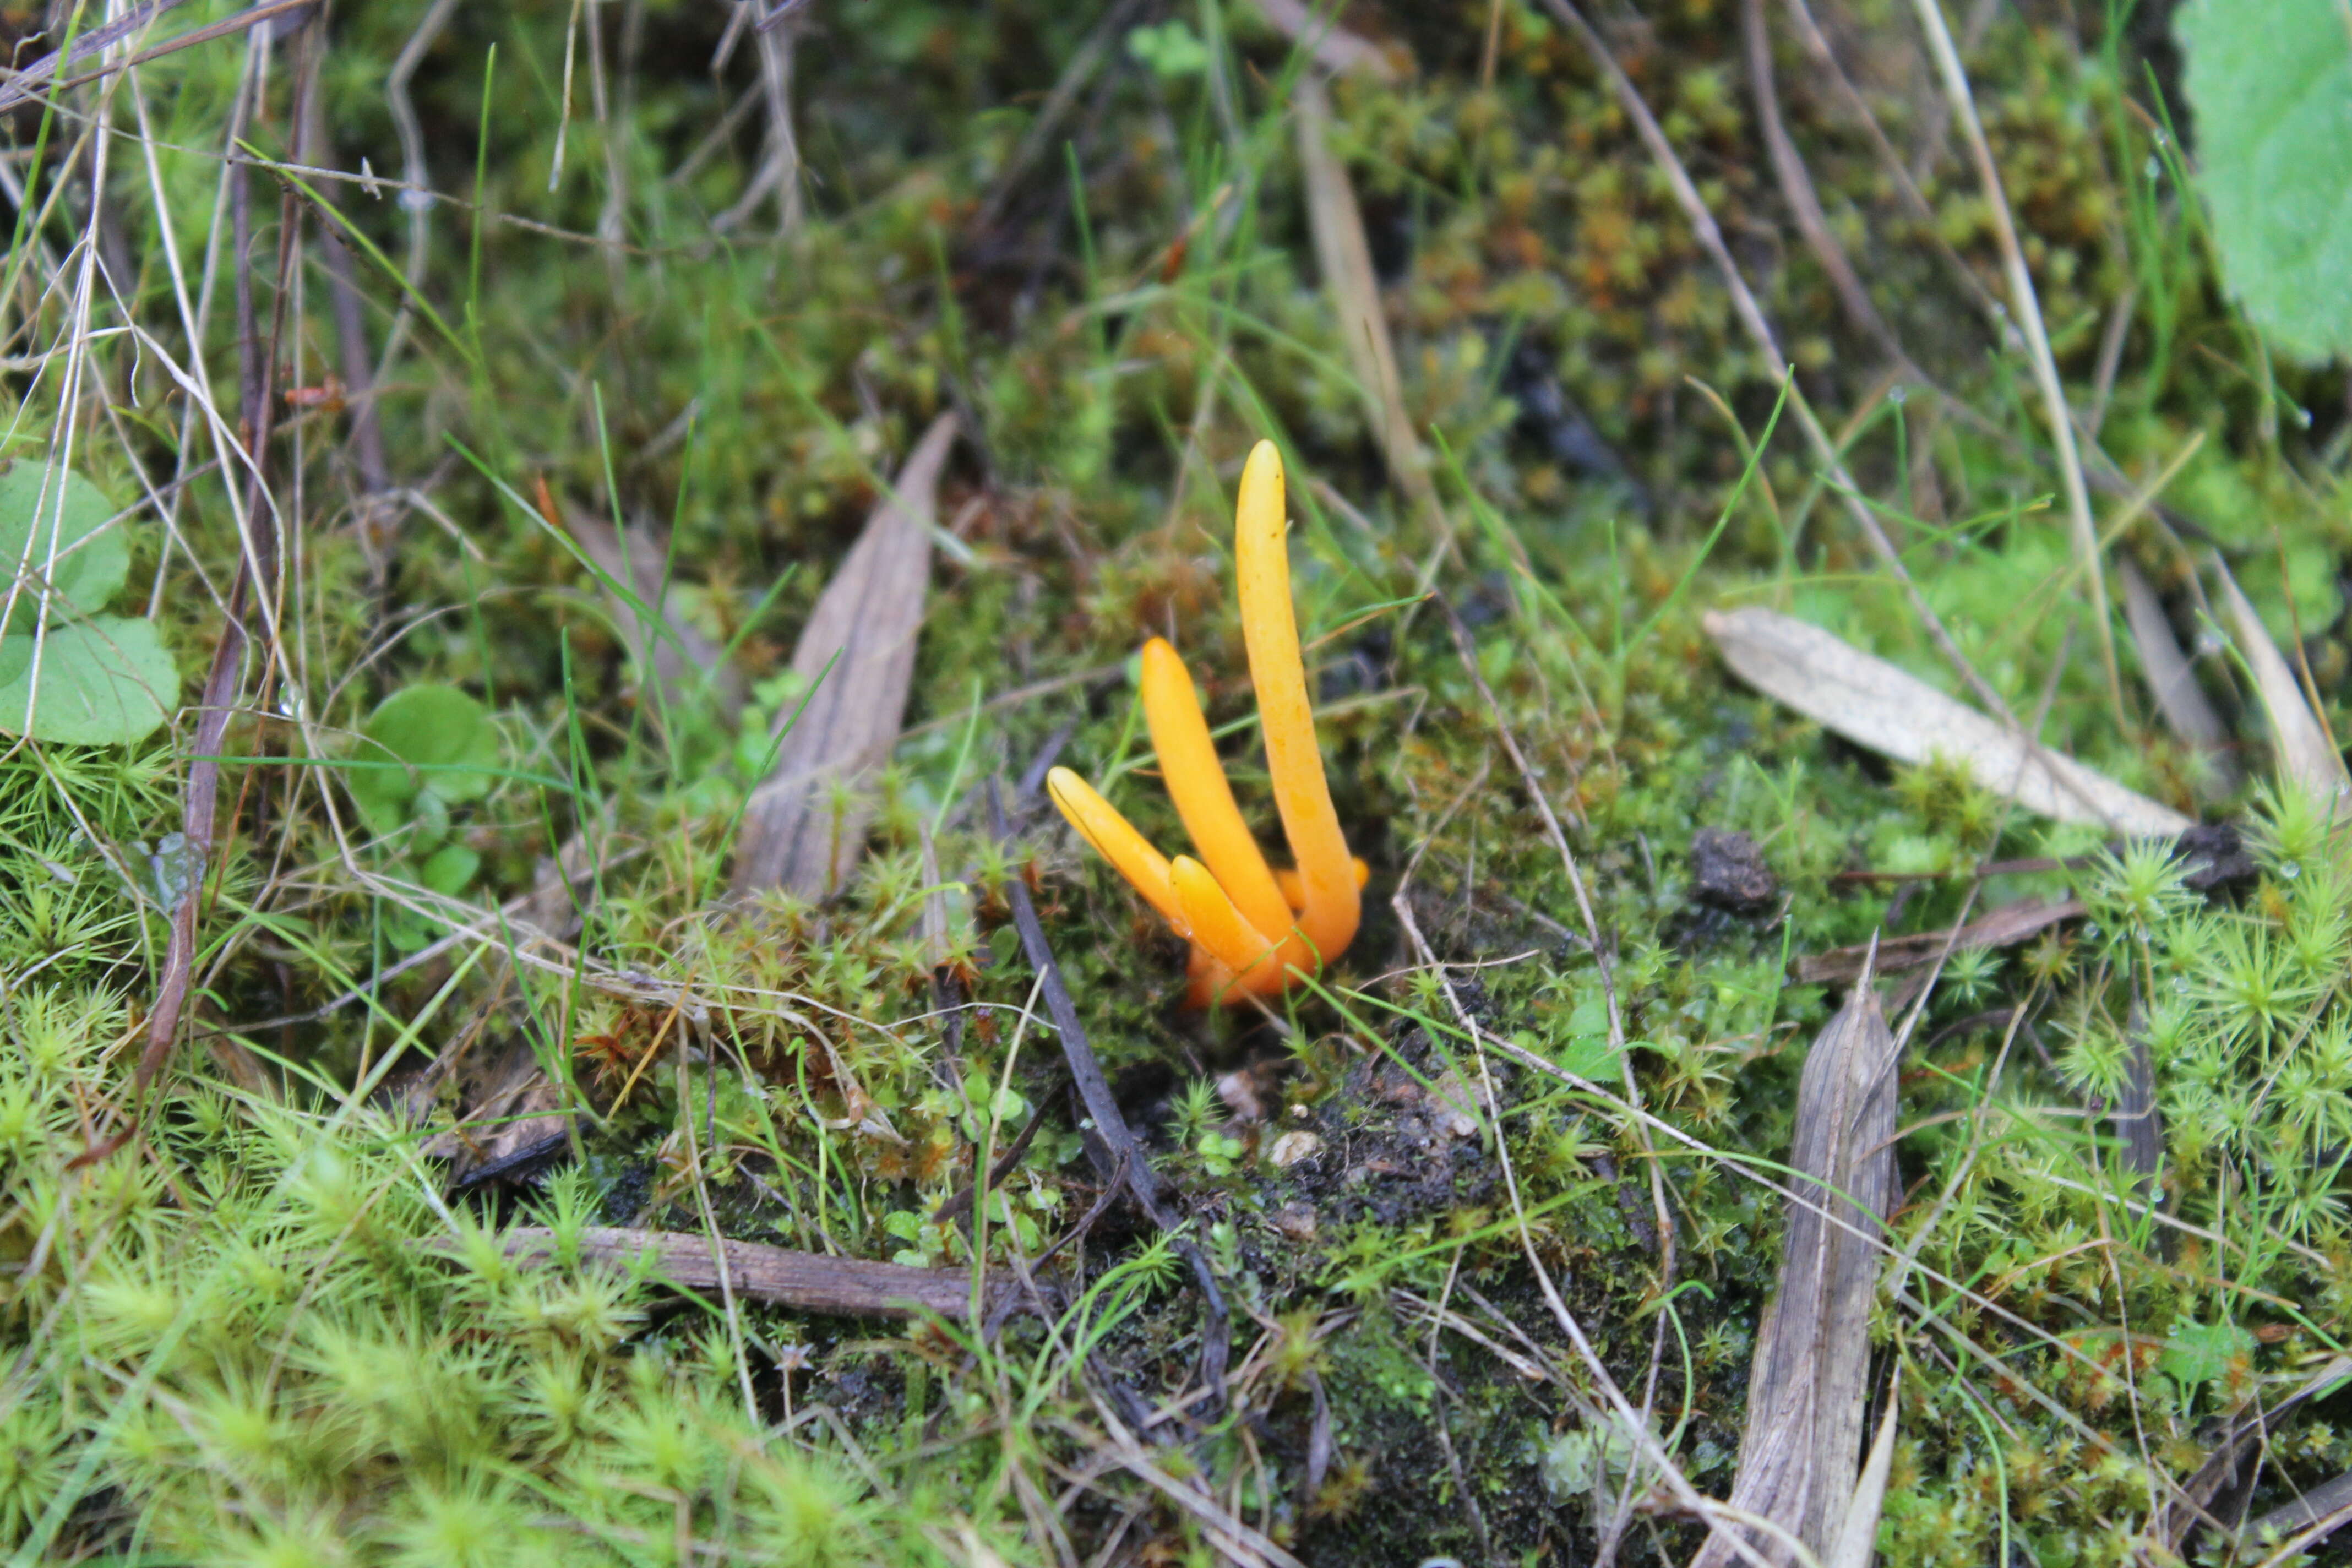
column 1798, row 1457
column 2305, row 755
column 1345, row 257
column 1874, row 704
column 858, row 654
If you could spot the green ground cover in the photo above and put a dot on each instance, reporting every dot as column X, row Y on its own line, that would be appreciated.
column 248, row 1315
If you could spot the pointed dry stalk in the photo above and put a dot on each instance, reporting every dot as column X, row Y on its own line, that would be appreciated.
column 1798, row 1458
column 1344, row 259
column 2307, row 755
column 857, row 654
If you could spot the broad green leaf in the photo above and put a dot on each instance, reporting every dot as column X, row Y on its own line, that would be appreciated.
column 421, row 739
column 449, row 869
column 2270, row 82
column 59, row 539
column 100, row 682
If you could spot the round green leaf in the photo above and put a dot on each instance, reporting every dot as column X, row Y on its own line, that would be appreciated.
column 105, row 681
column 449, row 869
column 421, row 738
column 55, row 546
column 2271, row 84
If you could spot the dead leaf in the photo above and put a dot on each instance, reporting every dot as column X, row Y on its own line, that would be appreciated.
column 2314, row 1516
column 803, row 1281
column 688, row 667
column 2005, row 927
column 1333, row 46
column 515, row 1119
column 1798, row 1457
column 1874, row 704
column 2305, row 754
column 2170, row 682
column 858, row 655
column 1857, row 1537
column 1345, row 259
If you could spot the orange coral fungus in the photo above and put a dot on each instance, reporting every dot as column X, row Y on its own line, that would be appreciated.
column 1252, row 928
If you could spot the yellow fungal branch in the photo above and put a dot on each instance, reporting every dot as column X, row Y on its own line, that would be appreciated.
column 1252, row 928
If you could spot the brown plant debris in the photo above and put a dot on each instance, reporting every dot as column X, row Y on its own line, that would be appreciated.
column 2005, row 927
column 858, row 656
column 1874, row 704
column 1799, row 1456
column 803, row 1281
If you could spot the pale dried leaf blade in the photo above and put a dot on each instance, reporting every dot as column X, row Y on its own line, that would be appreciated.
column 686, row 663
column 1874, row 704
column 858, row 654
column 1857, row 1537
column 2305, row 755
column 1798, row 1457
column 2004, row 927
column 1344, row 259
column 2170, row 682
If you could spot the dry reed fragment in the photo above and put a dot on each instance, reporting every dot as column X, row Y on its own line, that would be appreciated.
column 2306, row 756
column 1798, row 1457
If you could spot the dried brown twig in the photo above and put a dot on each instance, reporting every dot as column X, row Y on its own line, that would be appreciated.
column 803, row 1281
column 1112, row 1146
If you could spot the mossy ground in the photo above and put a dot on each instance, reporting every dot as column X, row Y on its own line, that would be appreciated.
column 264, row 1331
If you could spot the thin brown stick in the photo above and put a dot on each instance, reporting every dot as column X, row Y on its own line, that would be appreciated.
column 1111, row 1147
column 257, row 576
column 23, row 85
column 805, row 1281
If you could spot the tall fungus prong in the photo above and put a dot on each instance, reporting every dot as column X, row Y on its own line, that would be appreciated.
column 1253, row 928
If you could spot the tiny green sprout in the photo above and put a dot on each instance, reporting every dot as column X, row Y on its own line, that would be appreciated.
column 1969, row 975
column 1195, row 1110
column 1220, row 1154
column 2133, row 894
column 1298, row 1351
column 2294, row 829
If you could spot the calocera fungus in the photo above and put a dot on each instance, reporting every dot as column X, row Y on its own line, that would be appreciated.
column 1252, row 928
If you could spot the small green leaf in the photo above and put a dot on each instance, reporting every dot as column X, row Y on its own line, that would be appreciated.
column 100, row 682
column 2271, row 84
column 2197, row 1353
column 59, row 538
column 449, row 869
column 419, row 737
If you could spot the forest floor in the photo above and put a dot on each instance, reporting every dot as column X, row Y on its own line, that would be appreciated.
column 477, row 402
